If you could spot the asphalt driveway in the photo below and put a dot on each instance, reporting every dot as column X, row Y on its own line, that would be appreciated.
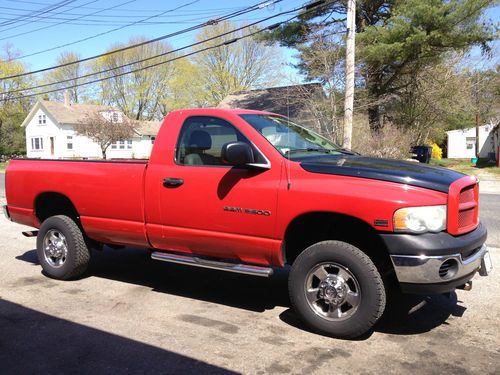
column 134, row 315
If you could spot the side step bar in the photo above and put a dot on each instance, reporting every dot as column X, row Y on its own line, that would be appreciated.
column 217, row 265
column 30, row 233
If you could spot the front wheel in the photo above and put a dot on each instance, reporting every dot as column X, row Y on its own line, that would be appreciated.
column 61, row 248
column 336, row 289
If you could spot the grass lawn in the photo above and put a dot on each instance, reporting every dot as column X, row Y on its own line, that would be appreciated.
column 3, row 165
column 465, row 166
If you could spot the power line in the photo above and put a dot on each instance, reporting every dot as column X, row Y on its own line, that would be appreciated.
column 62, row 23
column 133, row 14
column 41, row 16
column 122, row 10
column 103, row 33
column 43, row 11
column 95, row 23
column 308, row 9
column 257, row 6
column 155, row 56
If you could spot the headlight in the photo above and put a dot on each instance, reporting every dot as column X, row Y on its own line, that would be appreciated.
column 420, row 219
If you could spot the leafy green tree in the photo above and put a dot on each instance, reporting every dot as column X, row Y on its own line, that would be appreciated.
column 184, row 88
column 139, row 94
column 104, row 130
column 236, row 66
column 13, row 106
column 70, row 72
column 396, row 41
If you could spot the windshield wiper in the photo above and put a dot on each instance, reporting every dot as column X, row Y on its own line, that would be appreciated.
column 348, row 152
column 310, row 149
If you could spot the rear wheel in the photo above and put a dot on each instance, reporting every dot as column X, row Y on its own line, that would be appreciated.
column 61, row 248
column 336, row 289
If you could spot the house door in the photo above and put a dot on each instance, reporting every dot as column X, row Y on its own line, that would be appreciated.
column 51, row 146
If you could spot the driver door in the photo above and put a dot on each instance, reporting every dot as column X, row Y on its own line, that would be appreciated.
column 213, row 209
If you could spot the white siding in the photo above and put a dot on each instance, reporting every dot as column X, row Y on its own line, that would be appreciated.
column 83, row 147
column 142, row 149
column 458, row 140
column 44, row 132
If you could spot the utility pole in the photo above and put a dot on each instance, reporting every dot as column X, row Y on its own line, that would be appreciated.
column 349, row 73
column 476, row 97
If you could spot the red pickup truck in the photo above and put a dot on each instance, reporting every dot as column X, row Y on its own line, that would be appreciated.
column 248, row 191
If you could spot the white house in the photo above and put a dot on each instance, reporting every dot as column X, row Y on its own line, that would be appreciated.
column 462, row 142
column 50, row 132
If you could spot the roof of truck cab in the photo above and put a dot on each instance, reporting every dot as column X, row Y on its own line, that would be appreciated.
column 237, row 111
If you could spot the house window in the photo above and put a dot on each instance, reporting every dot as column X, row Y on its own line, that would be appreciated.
column 69, row 142
column 470, row 142
column 37, row 143
column 122, row 145
column 42, row 119
column 115, row 117
column 153, row 140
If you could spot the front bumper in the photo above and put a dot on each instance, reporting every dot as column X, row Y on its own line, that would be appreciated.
column 436, row 262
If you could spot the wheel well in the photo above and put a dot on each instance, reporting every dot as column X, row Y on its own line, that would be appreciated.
column 311, row 228
column 50, row 204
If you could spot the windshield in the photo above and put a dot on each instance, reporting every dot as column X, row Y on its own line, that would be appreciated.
column 289, row 138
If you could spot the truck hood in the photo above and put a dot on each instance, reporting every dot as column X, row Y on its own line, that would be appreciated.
column 410, row 173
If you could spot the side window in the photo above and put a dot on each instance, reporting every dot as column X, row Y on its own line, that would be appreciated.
column 201, row 140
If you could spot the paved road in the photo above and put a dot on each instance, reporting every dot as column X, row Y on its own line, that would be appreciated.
column 490, row 215
column 134, row 315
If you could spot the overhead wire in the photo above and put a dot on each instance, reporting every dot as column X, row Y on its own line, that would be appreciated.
column 73, row 19
column 123, row 10
column 252, row 8
column 42, row 11
column 41, row 16
column 223, row 43
column 151, row 57
column 101, row 33
column 107, row 17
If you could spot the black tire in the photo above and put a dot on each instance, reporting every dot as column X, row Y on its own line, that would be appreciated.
column 68, row 264
column 364, row 283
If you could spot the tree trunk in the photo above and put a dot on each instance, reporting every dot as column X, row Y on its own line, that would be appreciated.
column 103, row 153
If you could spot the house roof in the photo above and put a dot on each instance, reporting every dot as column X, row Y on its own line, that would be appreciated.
column 487, row 127
column 148, row 127
column 285, row 100
column 74, row 113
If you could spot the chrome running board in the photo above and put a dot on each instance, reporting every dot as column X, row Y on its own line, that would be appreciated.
column 30, row 233
column 213, row 264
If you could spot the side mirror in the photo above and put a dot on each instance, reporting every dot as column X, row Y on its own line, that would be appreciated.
column 237, row 153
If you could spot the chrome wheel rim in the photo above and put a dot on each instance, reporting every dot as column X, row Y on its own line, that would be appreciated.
column 55, row 248
column 332, row 291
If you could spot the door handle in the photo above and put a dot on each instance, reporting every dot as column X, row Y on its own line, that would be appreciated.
column 172, row 182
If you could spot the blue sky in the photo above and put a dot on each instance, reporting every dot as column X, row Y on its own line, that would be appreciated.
column 124, row 12
column 93, row 19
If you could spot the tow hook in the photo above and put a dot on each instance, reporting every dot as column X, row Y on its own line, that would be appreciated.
column 467, row 286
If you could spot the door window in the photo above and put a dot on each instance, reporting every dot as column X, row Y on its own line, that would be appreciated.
column 201, row 140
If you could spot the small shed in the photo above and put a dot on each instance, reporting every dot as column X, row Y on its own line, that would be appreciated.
column 462, row 142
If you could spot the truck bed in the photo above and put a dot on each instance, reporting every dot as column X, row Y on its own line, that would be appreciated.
column 109, row 194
